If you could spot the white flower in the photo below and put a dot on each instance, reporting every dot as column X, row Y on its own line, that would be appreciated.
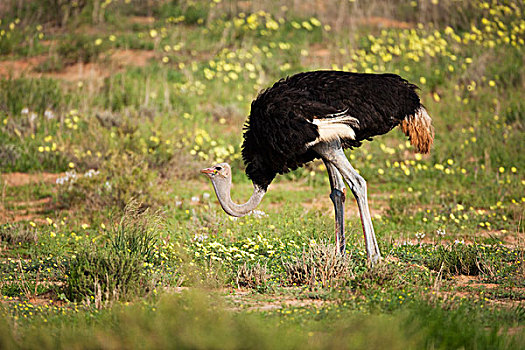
column 205, row 195
column 91, row 173
column 49, row 114
column 441, row 232
column 420, row 235
column 258, row 214
column 32, row 117
column 200, row 237
column 25, row 110
column 457, row 241
column 195, row 199
column 69, row 177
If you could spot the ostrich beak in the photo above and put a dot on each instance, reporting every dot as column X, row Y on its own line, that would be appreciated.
column 208, row 171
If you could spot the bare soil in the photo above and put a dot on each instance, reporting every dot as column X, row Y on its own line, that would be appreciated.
column 118, row 60
column 136, row 58
column 25, row 210
column 20, row 179
column 20, row 67
column 247, row 300
column 142, row 19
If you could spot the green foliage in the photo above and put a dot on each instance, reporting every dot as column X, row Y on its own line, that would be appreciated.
column 15, row 234
column 173, row 93
column 114, row 185
column 253, row 276
column 493, row 262
column 35, row 94
column 320, row 265
column 194, row 12
column 458, row 259
column 79, row 48
column 117, row 269
column 56, row 12
column 440, row 328
column 194, row 320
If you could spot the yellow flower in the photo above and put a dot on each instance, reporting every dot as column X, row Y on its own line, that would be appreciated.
column 153, row 33
column 315, row 22
column 71, row 165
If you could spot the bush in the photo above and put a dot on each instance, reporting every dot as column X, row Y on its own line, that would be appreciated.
column 321, row 264
column 252, row 276
column 117, row 269
column 79, row 48
column 36, row 94
column 462, row 259
column 16, row 233
column 122, row 178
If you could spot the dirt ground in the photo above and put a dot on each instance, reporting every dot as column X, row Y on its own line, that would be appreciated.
column 24, row 209
column 118, row 59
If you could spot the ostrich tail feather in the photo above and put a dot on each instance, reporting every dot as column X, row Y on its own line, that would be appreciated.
column 418, row 127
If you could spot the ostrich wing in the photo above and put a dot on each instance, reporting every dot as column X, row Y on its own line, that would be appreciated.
column 278, row 133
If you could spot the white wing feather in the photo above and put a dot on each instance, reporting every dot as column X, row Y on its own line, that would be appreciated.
column 334, row 126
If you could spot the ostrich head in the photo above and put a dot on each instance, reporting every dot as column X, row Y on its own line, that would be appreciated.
column 219, row 174
column 221, row 179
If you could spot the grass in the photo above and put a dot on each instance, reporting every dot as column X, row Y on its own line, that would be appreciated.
column 129, row 246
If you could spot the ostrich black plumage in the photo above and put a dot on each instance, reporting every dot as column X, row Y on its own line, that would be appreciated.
column 317, row 115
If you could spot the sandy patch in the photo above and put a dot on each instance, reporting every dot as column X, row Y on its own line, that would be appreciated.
column 20, row 179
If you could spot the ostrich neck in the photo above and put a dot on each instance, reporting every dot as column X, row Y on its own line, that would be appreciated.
column 234, row 209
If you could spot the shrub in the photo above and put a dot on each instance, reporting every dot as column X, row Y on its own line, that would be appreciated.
column 252, row 276
column 36, row 94
column 321, row 264
column 117, row 269
column 17, row 233
column 79, row 48
column 9, row 154
column 464, row 259
column 122, row 178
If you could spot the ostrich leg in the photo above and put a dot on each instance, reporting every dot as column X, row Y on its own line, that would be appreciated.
column 338, row 198
column 333, row 153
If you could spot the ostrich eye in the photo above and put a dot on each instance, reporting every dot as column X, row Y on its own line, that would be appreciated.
column 218, row 168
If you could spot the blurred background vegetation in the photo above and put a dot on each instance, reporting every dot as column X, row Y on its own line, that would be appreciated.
column 108, row 109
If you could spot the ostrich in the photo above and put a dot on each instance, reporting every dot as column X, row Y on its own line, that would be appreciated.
column 319, row 114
